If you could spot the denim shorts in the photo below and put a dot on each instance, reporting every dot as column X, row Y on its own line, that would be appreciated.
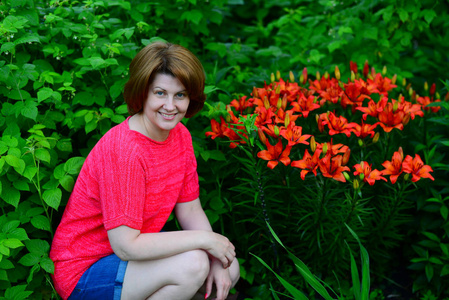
column 103, row 280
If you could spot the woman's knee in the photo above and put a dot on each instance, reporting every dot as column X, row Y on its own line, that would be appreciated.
column 195, row 265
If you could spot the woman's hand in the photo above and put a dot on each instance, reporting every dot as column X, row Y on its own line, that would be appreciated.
column 221, row 277
column 221, row 248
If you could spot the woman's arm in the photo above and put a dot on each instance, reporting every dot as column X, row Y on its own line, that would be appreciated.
column 129, row 244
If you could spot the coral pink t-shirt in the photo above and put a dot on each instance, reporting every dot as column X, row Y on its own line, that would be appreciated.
column 127, row 179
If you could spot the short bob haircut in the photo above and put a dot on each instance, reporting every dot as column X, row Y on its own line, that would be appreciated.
column 169, row 59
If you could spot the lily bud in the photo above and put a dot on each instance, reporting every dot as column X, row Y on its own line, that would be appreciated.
column 426, row 86
column 304, row 74
column 276, row 130
column 320, row 125
column 312, row 144
column 406, row 176
column 279, row 103
column 301, row 79
column 395, row 106
column 410, row 91
column 266, row 104
column 318, row 75
column 406, row 119
column 345, row 159
column 370, row 76
column 352, row 76
column 278, row 75
column 278, row 89
column 292, row 76
column 360, row 142
column 376, row 137
column 324, row 148
column 365, row 69
column 273, row 79
column 255, row 93
column 287, row 119
column 437, row 95
column 262, row 136
column 384, row 71
column 432, row 89
column 337, row 73
column 401, row 153
column 404, row 82
column 346, row 175
column 395, row 77
column 361, row 175
column 355, row 184
column 284, row 102
column 326, row 75
column 446, row 98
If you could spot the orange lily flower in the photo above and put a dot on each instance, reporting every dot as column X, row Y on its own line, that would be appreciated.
column 218, row 129
column 280, row 116
column 275, row 154
column 305, row 105
column 331, row 167
column 338, row 125
column 264, row 116
column 370, row 175
column 363, row 130
column 416, row 167
column 373, row 108
column 242, row 104
column 332, row 93
column 394, row 167
column 293, row 134
column 308, row 163
column 333, row 149
column 381, row 85
column 353, row 95
column 425, row 101
column 390, row 119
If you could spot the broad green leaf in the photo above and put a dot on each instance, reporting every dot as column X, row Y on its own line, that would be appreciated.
column 30, row 172
column 53, row 197
column 41, row 222
column 67, row 183
column 47, row 264
column 73, row 165
column 38, row 246
column 10, row 226
column 42, row 154
column 18, row 233
column 17, row 292
column 10, row 195
column 7, row 47
column 44, row 93
column 12, row 243
column 29, row 259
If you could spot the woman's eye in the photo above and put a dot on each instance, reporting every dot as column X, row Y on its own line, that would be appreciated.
column 180, row 95
column 159, row 93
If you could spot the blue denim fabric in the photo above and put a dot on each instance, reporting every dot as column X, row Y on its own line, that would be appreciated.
column 103, row 280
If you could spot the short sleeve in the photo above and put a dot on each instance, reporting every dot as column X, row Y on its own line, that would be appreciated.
column 121, row 180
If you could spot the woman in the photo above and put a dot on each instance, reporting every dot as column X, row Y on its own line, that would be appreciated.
column 109, row 244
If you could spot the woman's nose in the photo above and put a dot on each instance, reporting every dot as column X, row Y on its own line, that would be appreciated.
column 169, row 103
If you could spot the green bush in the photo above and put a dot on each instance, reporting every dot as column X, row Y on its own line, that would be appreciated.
column 63, row 65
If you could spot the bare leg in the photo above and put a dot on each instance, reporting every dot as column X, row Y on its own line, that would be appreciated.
column 175, row 277
column 234, row 272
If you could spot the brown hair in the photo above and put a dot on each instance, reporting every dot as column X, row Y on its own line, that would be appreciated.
column 165, row 58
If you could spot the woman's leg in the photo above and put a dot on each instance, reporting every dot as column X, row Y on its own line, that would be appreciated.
column 175, row 277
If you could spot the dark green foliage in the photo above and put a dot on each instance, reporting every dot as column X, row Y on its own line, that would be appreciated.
column 63, row 65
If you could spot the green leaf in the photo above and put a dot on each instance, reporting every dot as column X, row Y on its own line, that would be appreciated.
column 12, row 243
column 44, row 93
column 41, row 222
column 429, row 272
column 10, row 195
column 67, row 183
column 18, row 233
column 429, row 15
column 47, row 264
column 12, row 160
column 29, row 259
column 42, row 154
column 52, row 197
column 17, row 293
column 7, row 47
column 74, row 165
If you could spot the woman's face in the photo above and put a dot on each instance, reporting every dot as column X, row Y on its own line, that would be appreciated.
column 165, row 106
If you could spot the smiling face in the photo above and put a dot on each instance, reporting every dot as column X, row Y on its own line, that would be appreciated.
column 165, row 106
